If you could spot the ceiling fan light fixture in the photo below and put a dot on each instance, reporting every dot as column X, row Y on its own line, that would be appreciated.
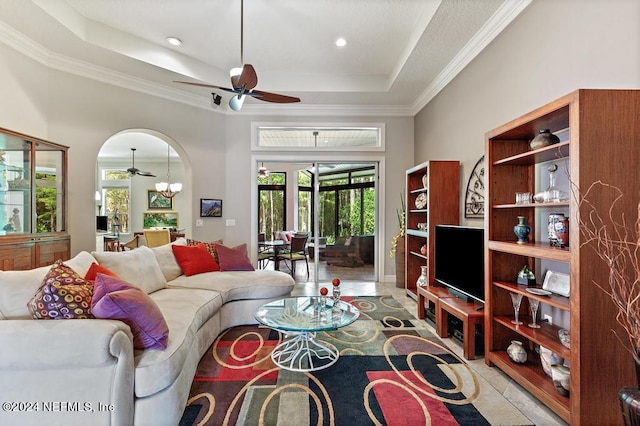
column 174, row 41
column 236, row 101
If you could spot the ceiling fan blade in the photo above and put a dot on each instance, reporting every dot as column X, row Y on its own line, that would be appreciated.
column 273, row 97
column 145, row 174
column 248, row 79
column 212, row 86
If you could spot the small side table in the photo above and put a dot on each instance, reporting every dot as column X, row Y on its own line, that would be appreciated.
column 429, row 295
column 470, row 314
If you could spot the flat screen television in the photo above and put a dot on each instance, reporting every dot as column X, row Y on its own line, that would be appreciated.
column 101, row 223
column 459, row 260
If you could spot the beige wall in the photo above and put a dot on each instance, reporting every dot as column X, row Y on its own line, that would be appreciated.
column 551, row 49
column 215, row 148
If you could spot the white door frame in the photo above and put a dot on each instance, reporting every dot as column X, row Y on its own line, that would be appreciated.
column 257, row 158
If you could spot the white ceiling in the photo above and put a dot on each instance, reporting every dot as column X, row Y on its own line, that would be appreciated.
column 400, row 53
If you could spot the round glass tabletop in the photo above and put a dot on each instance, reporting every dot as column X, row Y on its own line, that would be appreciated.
column 308, row 313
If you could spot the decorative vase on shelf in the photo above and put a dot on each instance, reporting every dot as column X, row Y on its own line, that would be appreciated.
column 424, row 249
column 552, row 194
column 560, row 376
column 516, row 352
column 544, row 138
column 558, row 230
column 522, row 230
column 425, row 180
column 422, row 279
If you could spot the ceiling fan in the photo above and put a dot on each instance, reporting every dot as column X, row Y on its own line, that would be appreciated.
column 135, row 171
column 245, row 79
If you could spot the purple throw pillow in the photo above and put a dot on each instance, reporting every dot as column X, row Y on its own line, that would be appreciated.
column 119, row 300
column 234, row 259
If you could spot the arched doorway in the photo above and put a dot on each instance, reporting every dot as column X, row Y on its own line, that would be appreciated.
column 134, row 195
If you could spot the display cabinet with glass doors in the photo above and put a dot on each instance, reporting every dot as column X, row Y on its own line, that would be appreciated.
column 33, row 229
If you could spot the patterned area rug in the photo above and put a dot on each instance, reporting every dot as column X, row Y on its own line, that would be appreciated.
column 391, row 371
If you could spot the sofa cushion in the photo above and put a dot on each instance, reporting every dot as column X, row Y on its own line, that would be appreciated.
column 138, row 267
column 234, row 259
column 18, row 287
column 94, row 269
column 64, row 294
column 240, row 285
column 211, row 247
column 119, row 300
column 167, row 261
column 195, row 259
column 185, row 310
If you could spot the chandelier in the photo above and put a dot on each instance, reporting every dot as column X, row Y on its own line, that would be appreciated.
column 168, row 189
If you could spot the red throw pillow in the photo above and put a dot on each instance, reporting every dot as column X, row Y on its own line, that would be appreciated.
column 194, row 259
column 94, row 269
column 211, row 247
column 234, row 259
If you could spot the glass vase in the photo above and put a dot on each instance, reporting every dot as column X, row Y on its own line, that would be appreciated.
column 552, row 194
column 422, row 279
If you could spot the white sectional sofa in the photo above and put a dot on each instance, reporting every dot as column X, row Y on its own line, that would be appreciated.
column 86, row 371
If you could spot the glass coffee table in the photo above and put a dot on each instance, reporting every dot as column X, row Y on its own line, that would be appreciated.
column 299, row 319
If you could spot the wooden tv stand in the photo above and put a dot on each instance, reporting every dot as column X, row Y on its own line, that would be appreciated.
column 467, row 312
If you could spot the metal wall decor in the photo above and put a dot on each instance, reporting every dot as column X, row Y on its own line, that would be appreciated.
column 474, row 199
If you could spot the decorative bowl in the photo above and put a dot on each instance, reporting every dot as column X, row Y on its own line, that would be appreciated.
column 560, row 376
column 565, row 337
column 548, row 359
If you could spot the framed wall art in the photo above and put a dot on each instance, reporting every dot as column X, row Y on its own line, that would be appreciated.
column 474, row 198
column 210, row 207
column 155, row 201
column 159, row 220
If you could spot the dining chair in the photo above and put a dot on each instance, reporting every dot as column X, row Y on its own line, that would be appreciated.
column 132, row 244
column 298, row 251
column 156, row 237
column 265, row 254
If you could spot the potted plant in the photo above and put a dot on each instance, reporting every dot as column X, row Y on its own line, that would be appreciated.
column 397, row 245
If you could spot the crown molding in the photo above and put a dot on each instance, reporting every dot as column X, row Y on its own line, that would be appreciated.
column 507, row 12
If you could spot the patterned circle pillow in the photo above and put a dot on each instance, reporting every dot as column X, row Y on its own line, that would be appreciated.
column 63, row 294
column 211, row 247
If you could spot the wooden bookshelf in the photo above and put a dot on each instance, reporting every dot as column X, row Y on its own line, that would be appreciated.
column 602, row 129
column 439, row 182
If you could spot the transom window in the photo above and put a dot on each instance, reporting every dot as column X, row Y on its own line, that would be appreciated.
column 318, row 138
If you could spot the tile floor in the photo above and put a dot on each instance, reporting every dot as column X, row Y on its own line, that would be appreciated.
column 537, row 412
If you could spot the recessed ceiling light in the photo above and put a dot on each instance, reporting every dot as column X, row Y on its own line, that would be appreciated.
column 341, row 42
column 174, row 41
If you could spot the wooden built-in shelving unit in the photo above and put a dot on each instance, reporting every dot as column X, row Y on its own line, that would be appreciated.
column 602, row 129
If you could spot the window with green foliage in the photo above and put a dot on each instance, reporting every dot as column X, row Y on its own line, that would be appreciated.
column 305, row 202
column 272, row 203
column 116, row 193
column 46, row 202
column 346, row 205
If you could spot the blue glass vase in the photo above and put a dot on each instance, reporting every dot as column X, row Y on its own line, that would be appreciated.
column 522, row 230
